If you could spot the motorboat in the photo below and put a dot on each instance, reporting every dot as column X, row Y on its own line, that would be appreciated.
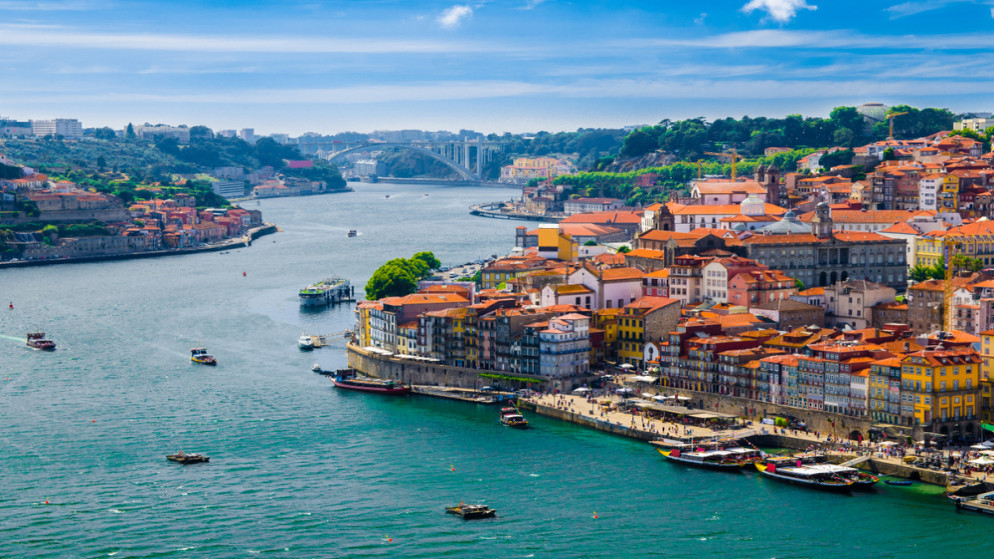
column 470, row 512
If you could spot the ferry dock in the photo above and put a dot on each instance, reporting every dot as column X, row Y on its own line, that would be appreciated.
column 464, row 394
column 327, row 292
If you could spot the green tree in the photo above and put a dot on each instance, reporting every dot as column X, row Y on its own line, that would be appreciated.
column 130, row 132
column 101, row 163
column 624, row 249
column 428, row 258
column 637, row 144
column 798, row 284
column 104, row 133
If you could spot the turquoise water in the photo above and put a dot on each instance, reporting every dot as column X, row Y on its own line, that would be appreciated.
column 299, row 469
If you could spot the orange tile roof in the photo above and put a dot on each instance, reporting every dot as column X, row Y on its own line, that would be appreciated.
column 621, row 274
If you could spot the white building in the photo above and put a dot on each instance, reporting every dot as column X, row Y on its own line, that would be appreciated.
column 609, row 288
column 66, row 127
column 975, row 124
column 929, row 187
column 564, row 347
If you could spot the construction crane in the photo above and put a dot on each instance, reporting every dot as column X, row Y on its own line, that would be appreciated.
column 699, row 168
column 733, row 155
column 890, row 117
column 948, row 246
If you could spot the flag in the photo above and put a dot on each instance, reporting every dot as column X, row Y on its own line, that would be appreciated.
column 987, row 426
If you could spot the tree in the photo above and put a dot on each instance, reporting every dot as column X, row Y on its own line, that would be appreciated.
column 428, row 258
column 798, row 284
column 101, row 163
column 390, row 280
column 130, row 132
column 624, row 249
column 104, row 133
column 637, row 144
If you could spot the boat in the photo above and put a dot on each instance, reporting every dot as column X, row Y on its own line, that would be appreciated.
column 469, row 512
column 514, row 420
column 347, row 378
column 860, row 480
column 184, row 458
column 805, row 475
column 901, row 482
column 353, row 232
column 200, row 355
column 981, row 503
column 717, row 459
column 324, row 292
column 37, row 340
column 305, row 342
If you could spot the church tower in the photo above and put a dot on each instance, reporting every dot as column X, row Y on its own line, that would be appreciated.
column 821, row 224
column 664, row 219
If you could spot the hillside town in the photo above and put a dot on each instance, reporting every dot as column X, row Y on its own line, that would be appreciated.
column 85, row 224
column 869, row 297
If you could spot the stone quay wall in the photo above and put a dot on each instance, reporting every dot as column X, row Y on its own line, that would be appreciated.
column 824, row 422
column 419, row 372
column 580, row 419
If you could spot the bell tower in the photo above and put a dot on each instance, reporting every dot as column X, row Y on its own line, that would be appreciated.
column 821, row 224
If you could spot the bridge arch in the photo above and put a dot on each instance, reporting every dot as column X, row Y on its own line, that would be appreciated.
column 463, row 171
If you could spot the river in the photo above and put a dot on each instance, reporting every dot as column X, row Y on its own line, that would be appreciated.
column 299, row 469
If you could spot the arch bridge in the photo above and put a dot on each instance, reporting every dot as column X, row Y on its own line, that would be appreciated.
column 454, row 155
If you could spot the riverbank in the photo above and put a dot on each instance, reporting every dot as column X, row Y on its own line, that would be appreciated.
column 235, row 242
column 495, row 210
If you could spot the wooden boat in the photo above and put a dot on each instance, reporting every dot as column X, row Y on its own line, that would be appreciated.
column 470, row 512
column 716, row 459
column 200, row 355
column 184, row 458
column 860, row 480
column 511, row 418
column 805, row 475
column 37, row 340
column 347, row 378
column 983, row 503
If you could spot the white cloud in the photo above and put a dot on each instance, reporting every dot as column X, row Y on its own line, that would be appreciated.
column 68, row 5
column 912, row 8
column 454, row 16
column 532, row 4
column 18, row 36
column 778, row 10
column 700, row 20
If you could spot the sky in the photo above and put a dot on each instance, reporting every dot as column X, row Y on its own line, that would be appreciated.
column 296, row 66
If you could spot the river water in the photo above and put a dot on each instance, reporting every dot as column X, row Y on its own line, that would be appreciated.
column 299, row 469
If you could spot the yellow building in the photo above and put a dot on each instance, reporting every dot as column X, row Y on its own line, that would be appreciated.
column 552, row 241
column 607, row 320
column 973, row 239
column 631, row 335
column 949, row 195
column 508, row 270
column 362, row 312
column 942, row 388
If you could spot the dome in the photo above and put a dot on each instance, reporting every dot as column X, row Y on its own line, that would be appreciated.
column 790, row 216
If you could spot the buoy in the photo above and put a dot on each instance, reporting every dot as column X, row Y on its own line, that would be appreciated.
column 595, row 514
column 46, row 501
column 453, row 468
column 94, row 420
column 11, row 306
column 244, row 274
column 389, row 539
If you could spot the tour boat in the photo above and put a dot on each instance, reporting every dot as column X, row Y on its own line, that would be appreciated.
column 469, row 512
column 184, row 458
column 860, row 480
column 510, row 417
column 810, row 476
column 347, row 378
column 200, row 355
column 719, row 459
column 37, row 340
column 981, row 503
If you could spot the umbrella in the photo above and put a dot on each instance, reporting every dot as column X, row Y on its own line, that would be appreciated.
column 982, row 461
column 888, row 443
column 979, row 447
column 625, row 366
column 581, row 390
column 624, row 390
column 659, row 398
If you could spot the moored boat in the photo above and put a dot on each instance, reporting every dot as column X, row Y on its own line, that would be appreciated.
column 37, row 340
column 901, row 482
column 346, row 378
column 200, row 355
column 805, row 475
column 860, row 480
column 717, row 459
column 325, row 292
column 981, row 503
column 469, row 512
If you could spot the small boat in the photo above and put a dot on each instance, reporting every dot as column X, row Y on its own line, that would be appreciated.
column 347, row 378
column 901, row 482
column 307, row 342
column 200, row 355
column 353, row 232
column 514, row 420
column 717, row 459
column 387, row 196
column 981, row 503
column 860, row 480
column 469, row 512
column 805, row 475
column 317, row 369
column 37, row 340
column 184, row 458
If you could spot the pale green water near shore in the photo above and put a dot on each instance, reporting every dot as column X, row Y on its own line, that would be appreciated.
column 300, row 470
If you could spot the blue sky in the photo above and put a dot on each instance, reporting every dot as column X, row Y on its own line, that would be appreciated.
column 495, row 65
